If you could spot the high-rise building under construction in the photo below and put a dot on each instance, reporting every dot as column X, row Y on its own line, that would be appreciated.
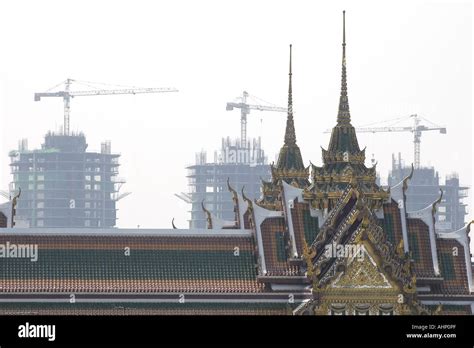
column 425, row 188
column 244, row 166
column 240, row 162
column 63, row 185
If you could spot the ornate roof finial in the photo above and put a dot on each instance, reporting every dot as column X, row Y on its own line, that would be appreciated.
column 231, row 189
column 405, row 180
column 343, row 115
column 290, row 136
column 208, row 215
column 438, row 201
column 468, row 228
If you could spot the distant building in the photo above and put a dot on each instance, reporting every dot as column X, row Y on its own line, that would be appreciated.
column 243, row 167
column 63, row 185
column 425, row 188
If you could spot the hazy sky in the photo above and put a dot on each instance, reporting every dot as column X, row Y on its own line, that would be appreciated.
column 403, row 58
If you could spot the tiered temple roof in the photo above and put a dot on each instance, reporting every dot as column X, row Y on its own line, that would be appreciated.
column 289, row 167
column 343, row 161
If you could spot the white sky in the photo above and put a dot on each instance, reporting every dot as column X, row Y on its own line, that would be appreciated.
column 403, row 58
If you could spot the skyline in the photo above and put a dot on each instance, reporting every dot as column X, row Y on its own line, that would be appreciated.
column 168, row 166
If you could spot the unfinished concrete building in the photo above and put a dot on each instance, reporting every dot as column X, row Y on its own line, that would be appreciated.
column 63, row 185
column 242, row 166
column 425, row 188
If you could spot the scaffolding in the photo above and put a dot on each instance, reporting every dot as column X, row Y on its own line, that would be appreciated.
column 244, row 166
column 63, row 185
column 424, row 189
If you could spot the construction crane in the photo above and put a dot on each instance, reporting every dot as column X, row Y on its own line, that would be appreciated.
column 184, row 196
column 67, row 94
column 245, row 110
column 5, row 194
column 416, row 129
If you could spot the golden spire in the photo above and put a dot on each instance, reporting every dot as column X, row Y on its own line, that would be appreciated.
column 343, row 115
column 290, row 165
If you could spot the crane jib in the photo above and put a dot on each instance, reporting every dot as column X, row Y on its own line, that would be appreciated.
column 68, row 94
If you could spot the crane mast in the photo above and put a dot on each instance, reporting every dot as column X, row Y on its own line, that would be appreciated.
column 417, row 140
column 67, row 106
column 67, row 94
column 245, row 110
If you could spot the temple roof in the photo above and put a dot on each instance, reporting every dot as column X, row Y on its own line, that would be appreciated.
column 343, row 161
column 131, row 263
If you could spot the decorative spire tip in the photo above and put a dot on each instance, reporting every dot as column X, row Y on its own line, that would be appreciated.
column 290, row 137
column 344, row 27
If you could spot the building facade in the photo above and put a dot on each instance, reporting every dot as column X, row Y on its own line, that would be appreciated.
column 64, row 185
column 245, row 167
column 425, row 187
